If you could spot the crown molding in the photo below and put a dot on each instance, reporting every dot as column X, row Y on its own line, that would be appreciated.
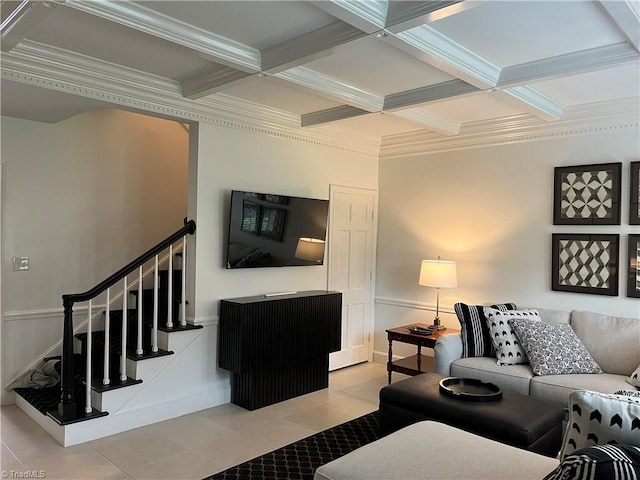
column 590, row 119
column 57, row 69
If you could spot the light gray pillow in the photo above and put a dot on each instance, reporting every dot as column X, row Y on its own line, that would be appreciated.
column 553, row 349
column 507, row 346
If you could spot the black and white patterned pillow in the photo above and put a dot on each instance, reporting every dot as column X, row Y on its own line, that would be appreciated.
column 506, row 344
column 628, row 393
column 553, row 349
column 610, row 462
column 599, row 418
column 476, row 340
column 634, row 378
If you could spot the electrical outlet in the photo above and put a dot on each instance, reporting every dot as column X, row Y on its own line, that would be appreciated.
column 20, row 264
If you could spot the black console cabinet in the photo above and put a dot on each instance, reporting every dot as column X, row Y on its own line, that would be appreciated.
column 278, row 347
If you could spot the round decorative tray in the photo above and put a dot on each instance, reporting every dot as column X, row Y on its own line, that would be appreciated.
column 470, row 389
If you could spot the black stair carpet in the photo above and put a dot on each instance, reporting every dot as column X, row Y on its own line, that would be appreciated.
column 299, row 460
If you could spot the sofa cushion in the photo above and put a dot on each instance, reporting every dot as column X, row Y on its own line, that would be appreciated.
column 476, row 341
column 506, row 344
column 613, row 462
column 514, row 378
column 613, row 342
column 634, row 378
column 598, row 418
column 557, row 388
column 431, row 450
column 553, row 350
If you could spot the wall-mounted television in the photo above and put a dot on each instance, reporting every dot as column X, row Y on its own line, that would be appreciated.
column 270, row 230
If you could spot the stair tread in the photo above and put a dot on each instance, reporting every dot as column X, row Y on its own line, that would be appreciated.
column 115, row 383
column 80, row 416
column 132, row 355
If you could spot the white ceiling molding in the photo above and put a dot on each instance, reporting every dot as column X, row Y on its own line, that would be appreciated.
column 198, row 87
column 332, row 88
column 428, row 119
column 406, row 15
column 22, row 20
column 330, row 115
column 431, row 93
column 133, row 15
column 539, row 104
column 369, row 16
column 625, row 15
column 432, row 47
column 569, row 64
column 590, row 120
column 68, row 72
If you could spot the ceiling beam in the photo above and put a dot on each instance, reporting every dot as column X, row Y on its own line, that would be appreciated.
column 625, row 16
column 134, row 15
column 330, row 115
column 369, row 16
column 308, row 46
column 432, row 93
column 213, row 82
column 535, row 102
column 428, row 119
column 568, row 64
column 404, row 15
column 21, row 21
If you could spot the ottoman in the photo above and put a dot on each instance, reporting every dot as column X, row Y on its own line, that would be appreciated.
column 518, row 420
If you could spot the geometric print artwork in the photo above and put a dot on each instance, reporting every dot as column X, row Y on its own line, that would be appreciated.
column 599, row 419
column 633, row 266
column 634, row 204
column 585, row 263
column 587, row 194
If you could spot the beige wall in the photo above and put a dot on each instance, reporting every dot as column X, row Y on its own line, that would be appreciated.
column 82, row 198
column 490, row 210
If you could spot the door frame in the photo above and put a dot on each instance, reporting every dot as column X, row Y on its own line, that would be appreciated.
column 333, row 189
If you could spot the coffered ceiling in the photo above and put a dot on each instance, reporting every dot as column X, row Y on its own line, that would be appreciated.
column 380, row 69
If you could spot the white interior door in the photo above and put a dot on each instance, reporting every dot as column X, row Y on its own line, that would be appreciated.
column 351, row 250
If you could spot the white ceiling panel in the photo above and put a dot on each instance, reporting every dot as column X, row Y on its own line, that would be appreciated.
column 373, row 65
column 258, row 24
column 599, row 86
column 471, row 108
column 514, row 32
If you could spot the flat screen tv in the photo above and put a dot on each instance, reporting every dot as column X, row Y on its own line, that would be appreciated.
column 267, row 230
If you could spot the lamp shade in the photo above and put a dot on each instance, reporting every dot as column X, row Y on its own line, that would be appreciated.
column 438, row 273
column 310, row 249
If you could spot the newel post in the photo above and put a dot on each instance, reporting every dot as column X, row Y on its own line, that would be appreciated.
column 67, row 405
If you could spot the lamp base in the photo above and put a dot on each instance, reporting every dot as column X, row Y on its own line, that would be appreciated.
column 437, row 327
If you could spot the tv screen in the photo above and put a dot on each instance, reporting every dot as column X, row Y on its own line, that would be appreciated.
column 267, row 230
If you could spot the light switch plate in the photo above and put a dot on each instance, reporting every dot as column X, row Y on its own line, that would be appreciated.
column 20, row 264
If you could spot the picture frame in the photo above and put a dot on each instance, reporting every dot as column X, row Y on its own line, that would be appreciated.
column 585, row 263
column 634, row 193
column 272, row 223
column 633, row 266
column 587, row 194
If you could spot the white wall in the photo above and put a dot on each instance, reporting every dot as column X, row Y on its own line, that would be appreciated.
column 83, row 197
column 490, row 210
column 230, row 159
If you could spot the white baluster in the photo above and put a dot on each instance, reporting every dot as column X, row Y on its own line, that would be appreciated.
column 183, row 301
column 107, row 333
column 123, row 355
column 139, row 350
column 154, row 330
column 170, row 290
column 89, row 375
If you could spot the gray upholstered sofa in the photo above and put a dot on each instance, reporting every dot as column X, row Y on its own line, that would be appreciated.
column 613, row 342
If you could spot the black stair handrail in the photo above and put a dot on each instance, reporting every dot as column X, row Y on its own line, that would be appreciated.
column 67, row 407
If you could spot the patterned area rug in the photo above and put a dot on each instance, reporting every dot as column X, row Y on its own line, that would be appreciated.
column 299, row 460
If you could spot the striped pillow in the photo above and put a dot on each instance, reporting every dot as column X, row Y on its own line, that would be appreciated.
column 476, row 338
column 610, row 462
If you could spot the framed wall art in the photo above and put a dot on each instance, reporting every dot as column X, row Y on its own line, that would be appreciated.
column 634, row 204
column 587, row 194
column 633, row 266
column 585, row 263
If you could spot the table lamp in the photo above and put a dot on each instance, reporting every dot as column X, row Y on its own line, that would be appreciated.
column 439, row 274
column 310, row 249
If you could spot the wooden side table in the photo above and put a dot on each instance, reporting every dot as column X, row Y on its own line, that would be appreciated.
column 414, row 364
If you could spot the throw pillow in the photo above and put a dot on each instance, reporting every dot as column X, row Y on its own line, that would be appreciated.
column 553, row 349
column 634, row 378
column 628, row 393
column 476, row 340
column 598, row 418
column 507, row 346
column 611, row 462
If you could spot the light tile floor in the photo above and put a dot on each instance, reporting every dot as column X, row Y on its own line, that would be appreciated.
column 193, row 446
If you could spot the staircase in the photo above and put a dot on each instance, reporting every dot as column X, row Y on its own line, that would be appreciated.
column 122, row 355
